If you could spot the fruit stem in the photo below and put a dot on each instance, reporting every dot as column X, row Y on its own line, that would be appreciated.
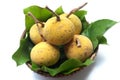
column 58, row 18
column 37, row 22
column 76, row 9
column 78, row 43
column 35, row 19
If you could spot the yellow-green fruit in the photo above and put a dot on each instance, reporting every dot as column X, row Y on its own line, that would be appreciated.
column 34, row 33
column 81, row 52
column 76, row 21
column 58, row 32
column 44, row 54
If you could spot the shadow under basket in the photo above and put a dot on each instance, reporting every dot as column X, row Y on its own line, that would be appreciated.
column 92, row 57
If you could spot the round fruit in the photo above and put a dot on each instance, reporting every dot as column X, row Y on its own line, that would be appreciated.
column 34, row 33
column 44, row 54
column 79, row 48
column 58, row 32
column 76, row 21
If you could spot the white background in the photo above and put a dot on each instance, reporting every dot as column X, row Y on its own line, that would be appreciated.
column 107, row 63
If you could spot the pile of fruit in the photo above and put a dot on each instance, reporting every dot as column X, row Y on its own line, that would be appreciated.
column 58, row 42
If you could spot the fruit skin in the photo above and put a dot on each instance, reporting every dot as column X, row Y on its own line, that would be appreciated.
column 34, row 34
column 58, row 32
column 44, row 54
column 76, row 21
column 83, row 51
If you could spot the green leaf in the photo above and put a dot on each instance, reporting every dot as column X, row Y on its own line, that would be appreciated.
column 67, row 66
column 102, row 40
column 59, row 10
column 97, row 30
column 40, row 13
column 35, row 67
column 22, row 55
column 28, row 22
column 81, row 14
column 86, row 63
column 85, row 24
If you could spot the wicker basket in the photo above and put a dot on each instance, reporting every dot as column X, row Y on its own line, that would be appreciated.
column 92, row 57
